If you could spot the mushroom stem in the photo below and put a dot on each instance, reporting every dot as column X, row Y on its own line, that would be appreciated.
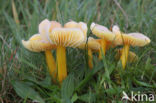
column 51, row 64
column 124, row 55
column 103, row 49
column 90, row 59
column 61, row 63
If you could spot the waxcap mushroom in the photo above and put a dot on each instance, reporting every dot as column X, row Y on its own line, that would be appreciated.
column 37, row 44
column 129, row 39
column 71, row 35
column 102, row 32
column 106, row 36
column 133, row 39
column 41, row 42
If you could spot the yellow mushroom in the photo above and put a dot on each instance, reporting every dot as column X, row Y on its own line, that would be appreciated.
column 92, row 45
column 106, row 36
column 71, row 36
column 40, row 42
column 130, row 39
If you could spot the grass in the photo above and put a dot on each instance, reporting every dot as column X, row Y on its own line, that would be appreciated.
column 23, row 74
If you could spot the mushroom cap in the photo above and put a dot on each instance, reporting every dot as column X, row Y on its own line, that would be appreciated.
column 116, row 29
column 80, row 25
column 92, row 44
column 44, row 27
column 71, row 24
column 41, row 42
column 133, row 39
column 54, row 24
column 36, row 44
column 132, row 57
column 102, row 32
column 47, row 26
column 67, row 37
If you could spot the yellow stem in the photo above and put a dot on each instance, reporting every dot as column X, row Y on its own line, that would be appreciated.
column 124, row 55
column 103, row 49
column 90, row 59
column 61, row 63
column 51, row 64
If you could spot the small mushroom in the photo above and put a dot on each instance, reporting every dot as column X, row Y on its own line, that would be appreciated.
column 130, row 39
column 71, row 36
column 106, row 36
column 92, row 45
column 39, row 42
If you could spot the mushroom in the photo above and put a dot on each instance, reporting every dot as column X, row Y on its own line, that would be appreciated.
column 130, row 39
column 92, row 45
column 39, row 42
column 69, row 36
column 106, row 36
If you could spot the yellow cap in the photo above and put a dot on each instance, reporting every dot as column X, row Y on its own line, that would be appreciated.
column 67, row 37
column 102, row 32
column 92, row 43
column 41, row 42
column 54, row 24
column 44, row 27
column 133, row 39
column 36, row 44
column 80, row 25
column 71, row 24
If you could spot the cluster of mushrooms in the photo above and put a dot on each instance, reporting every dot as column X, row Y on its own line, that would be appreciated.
column 52, row 35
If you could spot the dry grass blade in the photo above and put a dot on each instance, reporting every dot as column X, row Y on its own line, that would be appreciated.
column 3, row 82
column 15, row 14
column 124, row 13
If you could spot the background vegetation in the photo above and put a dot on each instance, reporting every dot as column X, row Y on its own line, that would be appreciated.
column 23, row 74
